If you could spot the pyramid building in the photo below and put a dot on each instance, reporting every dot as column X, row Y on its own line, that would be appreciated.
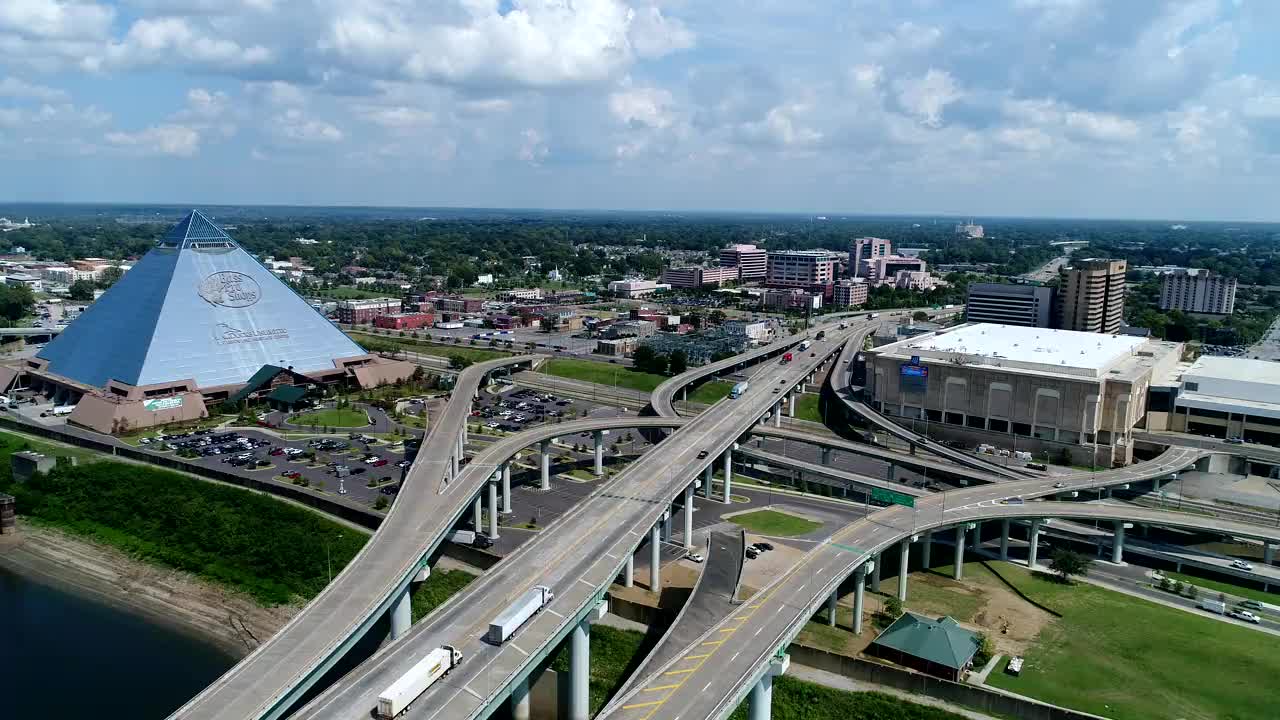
column 195, row 321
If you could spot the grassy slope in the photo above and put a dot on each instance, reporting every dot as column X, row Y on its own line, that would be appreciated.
column 603, row 374
column 442, row 585
column 388, row 343
column 772, row 522
column 1228, row 588
column 807, row 408
column 1130, row 659
column 711, row 391
column 799, row 700
column 612, row 653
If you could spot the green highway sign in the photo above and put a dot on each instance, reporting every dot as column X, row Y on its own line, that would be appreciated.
column 893, row 498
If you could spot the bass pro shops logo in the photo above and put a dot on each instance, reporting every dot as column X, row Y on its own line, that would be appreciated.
column 230, row 289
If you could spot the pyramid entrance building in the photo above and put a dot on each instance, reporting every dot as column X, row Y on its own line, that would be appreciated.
column 195, row 322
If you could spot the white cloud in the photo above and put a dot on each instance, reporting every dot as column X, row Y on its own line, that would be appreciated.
column 55, row 19
column 652, row 34
column 533, row 147
column 643, row 107
column 152, row 41
column 176, row 140
column 18, row 88
column 1102, row 126
column 400, row 117
column 928, row 95
column 1025, row 139
column 294, row 126
column 277, row 93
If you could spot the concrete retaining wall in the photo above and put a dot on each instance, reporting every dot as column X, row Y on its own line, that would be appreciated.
column 967, row 695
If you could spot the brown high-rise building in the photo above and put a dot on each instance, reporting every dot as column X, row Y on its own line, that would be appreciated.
column 1093, row 296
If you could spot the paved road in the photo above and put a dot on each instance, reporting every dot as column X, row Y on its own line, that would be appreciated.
column 715, row 671
column 1253, row 451
column 1268, row 348
column 579, row 557
column 842, row 389
column 282, row 668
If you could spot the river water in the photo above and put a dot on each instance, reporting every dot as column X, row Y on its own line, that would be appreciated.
column 62, row 656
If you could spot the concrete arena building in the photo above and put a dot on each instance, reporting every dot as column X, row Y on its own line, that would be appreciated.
column 1022, row 388
column 194, row 321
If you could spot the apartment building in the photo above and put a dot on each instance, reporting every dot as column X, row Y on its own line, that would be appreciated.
column 696, row 277
column 1093, row 296
column 1198, row 291
column 864, row 249
column 850, row 292
column 801, row 269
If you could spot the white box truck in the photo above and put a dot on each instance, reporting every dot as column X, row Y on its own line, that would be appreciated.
column 1214, row 606
column 463, row 537
column 63, row 410
column 739, row 390
column 518, row 613
column 397, row 698
column 806, row 344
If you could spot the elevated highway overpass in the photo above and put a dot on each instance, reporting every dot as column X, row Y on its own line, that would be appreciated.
column 579, row 557
column 738, row 655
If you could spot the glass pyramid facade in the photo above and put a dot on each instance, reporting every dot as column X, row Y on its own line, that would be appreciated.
column 197, row 306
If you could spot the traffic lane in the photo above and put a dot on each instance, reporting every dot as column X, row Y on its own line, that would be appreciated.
column 554, row 558
column 1138, row 580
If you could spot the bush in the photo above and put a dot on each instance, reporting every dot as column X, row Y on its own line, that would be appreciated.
column 272, row 550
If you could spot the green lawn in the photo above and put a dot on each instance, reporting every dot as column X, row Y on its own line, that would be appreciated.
column 711, row 391
column 603, row 374
column 807, row 408
column 332, row 417
column 438, row 588
column 799, row 700
column 391, row 343
column 1228, row 588
column 1129, row 659
column 12, row 442
column 772, row 522
column 613, row 653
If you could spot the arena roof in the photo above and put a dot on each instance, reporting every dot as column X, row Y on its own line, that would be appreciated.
column 197, row 306
column 1030, row 348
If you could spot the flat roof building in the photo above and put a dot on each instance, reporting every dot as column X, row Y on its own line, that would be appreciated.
column 805, row 269
column 1004, row 303
column 1224, row 397
column 867, row 248
column 1093, row 296
column 1197, row 291
column 752, row 262
column 850, row 292
column 1034, row 388
column 637, row 288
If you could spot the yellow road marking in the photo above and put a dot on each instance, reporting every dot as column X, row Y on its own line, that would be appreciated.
column 696, row 657
column 679, row 672
column 643, row 704
column 661, row 687
column 728, row 630
column 714, row 642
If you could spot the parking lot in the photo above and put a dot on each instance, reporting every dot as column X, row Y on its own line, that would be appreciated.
column 514, row 410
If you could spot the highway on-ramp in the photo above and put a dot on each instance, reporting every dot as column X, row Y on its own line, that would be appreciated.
column 711, row 677
column 578, row 557
column 271, row 678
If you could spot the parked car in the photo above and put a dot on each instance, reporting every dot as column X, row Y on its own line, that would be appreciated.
column 379, row 462
column 694, row 557
column 752, row 553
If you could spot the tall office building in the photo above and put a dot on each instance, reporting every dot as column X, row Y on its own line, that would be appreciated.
column 1198, row 291
column 752, row 262
column 801, row 268
column 867, row 248
column 1093, row 296
column 1005, row 304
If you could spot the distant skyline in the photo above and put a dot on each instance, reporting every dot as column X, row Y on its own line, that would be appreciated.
column 1086, row 109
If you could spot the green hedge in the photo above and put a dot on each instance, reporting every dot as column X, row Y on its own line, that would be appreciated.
column 272, row 550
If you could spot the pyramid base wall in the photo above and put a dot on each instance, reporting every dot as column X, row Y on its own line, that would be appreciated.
column 113, row 417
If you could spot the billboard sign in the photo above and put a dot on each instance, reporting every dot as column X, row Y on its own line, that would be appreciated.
column 169, row 403
column 915, row 371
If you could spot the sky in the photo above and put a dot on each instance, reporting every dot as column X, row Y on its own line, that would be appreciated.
column 1165, row 109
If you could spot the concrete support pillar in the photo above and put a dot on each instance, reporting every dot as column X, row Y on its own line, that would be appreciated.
column 493, row 509
column 629, row 572
column 831, row 607
column 688, row 516
column 506, row 488
column 826, row 456
column 401, row 615
column 875, row 573
column 1117, row 543
column 546, row 464
column 761, row 703
column 655, row 560
column 706, row 480
column 976, row 542
column 904, row 556
column 599, row 467
column 958, row 569
column 520, row 700
column 477, row 514
column 579, row 671
column 791, row 405
column 777, row 415
column 1268, row 552
column 454, row 459
column 666, row 525
column 728, row 476
column 859, row 588
column 1033, row 544
column 926, row 549
column 1004, row 539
